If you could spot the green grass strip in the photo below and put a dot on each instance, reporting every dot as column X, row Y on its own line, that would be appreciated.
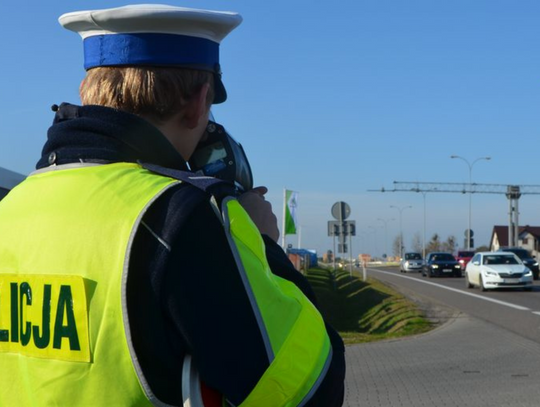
column 364, row 311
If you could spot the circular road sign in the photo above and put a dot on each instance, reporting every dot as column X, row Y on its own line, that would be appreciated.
column 466, row 232
column 341, row 210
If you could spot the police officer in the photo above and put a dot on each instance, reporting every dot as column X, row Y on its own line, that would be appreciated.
column 125, row 279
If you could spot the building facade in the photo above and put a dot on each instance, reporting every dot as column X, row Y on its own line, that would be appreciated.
column 528, row 238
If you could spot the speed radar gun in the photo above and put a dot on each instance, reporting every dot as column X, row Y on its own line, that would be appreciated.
column 221, row 156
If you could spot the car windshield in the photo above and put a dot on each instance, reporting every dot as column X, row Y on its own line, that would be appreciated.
column 522, row 254
column 443, row 257
column 413, row 256
column 465, row 254
column 499, row 259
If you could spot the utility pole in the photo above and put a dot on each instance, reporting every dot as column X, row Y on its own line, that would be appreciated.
column 513, row 194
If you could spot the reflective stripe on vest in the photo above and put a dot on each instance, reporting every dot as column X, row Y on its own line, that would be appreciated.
column 297, row 343
column 64, row 249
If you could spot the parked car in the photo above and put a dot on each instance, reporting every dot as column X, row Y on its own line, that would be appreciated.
column 463, row 257
column 411, row 262
column 525, row 257
column 440, row 264
column 8, row 180
column 490, row 270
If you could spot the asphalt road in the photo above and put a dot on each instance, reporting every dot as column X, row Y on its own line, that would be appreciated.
column 512, row 309
column 486, row 354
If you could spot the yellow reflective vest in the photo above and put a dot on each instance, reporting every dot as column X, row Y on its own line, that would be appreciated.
column 65, row 240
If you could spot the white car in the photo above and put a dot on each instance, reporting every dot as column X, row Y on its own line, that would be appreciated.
column 489, row 270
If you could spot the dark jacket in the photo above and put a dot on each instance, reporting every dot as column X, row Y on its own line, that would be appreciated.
column 184, row 292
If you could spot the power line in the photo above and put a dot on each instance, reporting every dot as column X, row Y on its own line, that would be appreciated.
column 512, row 193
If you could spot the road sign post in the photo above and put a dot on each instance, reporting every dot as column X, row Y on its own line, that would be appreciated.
column 469, row 238
column 341, row 228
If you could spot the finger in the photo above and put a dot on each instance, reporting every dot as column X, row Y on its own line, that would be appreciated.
column 259, row 190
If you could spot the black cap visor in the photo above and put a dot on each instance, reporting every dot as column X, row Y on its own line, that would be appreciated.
column 220, row 94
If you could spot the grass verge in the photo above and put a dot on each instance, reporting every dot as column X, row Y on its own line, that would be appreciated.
column 364, row 311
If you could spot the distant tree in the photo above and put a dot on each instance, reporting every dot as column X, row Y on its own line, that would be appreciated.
column 449, row 245
column 416, row 243
column 483, row 248
column 434, row 245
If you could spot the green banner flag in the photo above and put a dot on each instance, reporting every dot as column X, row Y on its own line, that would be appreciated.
column 291, row 220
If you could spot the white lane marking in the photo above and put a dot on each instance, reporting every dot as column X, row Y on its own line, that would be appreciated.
column 536, row 312
column 507, row 304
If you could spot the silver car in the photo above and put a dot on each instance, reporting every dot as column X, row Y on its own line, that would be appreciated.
column 411, row 262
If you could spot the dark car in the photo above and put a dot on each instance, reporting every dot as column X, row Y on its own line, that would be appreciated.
column 8, row 180
column 463, row 257
column 525, row 257
column 441, row 265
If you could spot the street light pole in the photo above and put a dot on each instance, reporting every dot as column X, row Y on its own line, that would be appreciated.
column 375, row 238
column 424, row 231
column 400, row 209
column 424, row 234
column 470, row 165
column 385, row 221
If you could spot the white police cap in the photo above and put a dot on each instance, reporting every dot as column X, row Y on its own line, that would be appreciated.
column 154, row 35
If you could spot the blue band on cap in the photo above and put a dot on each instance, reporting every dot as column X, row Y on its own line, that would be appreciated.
column 149, row 49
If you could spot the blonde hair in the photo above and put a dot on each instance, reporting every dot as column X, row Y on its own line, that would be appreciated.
column 157, row 92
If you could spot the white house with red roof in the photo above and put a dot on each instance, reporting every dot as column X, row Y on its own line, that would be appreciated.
column 528, row 238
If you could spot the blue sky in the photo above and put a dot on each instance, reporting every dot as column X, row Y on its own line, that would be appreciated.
column 334, row 100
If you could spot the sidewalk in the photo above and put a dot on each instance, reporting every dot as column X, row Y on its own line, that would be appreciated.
column 464, row 363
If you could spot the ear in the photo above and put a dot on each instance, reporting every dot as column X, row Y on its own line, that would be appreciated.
column 196, row 107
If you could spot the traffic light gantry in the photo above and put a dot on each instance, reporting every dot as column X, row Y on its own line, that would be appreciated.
column 512, row 193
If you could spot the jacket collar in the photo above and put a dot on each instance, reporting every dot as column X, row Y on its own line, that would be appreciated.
column 102, row 134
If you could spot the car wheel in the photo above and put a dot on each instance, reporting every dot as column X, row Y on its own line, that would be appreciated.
column 467, row 282
column 527, row 288
column 481, row 283
column 429, row 274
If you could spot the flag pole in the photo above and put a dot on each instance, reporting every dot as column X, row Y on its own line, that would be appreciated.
column 284, row 214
